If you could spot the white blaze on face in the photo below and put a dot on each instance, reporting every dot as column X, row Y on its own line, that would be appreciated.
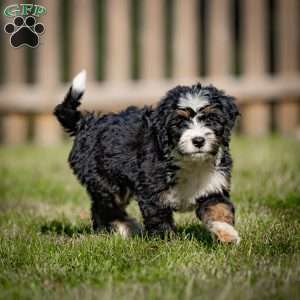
column 193, row 101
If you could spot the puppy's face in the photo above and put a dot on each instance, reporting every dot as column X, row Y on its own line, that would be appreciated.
column 202, row 129
column 204, row 118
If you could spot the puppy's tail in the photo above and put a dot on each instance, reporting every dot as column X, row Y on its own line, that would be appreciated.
column 66, row 112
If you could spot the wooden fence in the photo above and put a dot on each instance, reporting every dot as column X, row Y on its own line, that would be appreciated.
column 135, row 50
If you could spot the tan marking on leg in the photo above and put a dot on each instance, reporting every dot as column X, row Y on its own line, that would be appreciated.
column 218, row 212
column 219, row 219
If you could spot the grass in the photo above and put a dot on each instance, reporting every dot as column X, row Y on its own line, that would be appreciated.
column 47, row 250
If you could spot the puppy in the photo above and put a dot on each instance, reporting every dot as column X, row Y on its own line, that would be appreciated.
column 174, row 157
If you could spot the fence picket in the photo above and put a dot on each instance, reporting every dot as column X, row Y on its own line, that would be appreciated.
column 185, row 39
column 117, row 40
column 46, row 128
column 219, row 38
column 14, row 126
column 256, row 116
column 152, row 66
column 82, row 37
column 287, row 113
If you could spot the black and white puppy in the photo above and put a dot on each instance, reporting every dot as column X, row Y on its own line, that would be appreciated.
column 174, row 157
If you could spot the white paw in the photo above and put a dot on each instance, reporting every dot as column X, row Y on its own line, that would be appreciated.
column 224, row 232
column 127, row 228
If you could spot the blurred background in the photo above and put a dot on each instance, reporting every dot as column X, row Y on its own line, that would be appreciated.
column 135, row 50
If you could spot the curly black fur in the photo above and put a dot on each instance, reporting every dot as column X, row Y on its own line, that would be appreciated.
column 134, row 153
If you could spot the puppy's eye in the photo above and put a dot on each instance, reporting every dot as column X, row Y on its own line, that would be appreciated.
column 186, row 113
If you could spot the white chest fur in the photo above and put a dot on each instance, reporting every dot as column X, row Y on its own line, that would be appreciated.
column 196, row 177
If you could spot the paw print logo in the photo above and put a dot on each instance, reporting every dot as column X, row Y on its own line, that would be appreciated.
column 24, row 32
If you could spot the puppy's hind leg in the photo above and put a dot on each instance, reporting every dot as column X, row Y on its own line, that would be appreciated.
column 109, row 215
column 128, row 226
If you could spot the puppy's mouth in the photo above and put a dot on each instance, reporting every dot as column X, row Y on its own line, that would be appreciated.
column 196, row 153
column 212, row 152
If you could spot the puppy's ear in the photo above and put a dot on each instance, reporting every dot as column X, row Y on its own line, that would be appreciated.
column 230, row 108
column 234, row 111
column 161, row 117
column 147, row 118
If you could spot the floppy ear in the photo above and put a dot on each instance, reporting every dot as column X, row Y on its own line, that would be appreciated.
column 225, row 103
column 230, row 108
column 161, row 118
column 233, row 111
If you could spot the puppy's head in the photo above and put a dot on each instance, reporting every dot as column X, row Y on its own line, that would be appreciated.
column 197, row 120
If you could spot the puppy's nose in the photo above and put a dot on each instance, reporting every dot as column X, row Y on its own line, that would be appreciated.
column 198, row 141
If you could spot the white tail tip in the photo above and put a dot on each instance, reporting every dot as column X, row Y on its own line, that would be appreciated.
column 78, row 84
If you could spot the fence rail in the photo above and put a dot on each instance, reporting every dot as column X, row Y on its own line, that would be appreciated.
column 148, row 47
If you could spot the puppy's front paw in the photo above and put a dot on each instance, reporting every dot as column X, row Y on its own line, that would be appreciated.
column 224, row 232
column 162, row 230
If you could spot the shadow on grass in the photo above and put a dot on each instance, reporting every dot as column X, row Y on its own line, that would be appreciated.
column 189, row 232
column 195, row 231
column 66, row 228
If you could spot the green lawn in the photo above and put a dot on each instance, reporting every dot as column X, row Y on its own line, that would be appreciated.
column 47, row 249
